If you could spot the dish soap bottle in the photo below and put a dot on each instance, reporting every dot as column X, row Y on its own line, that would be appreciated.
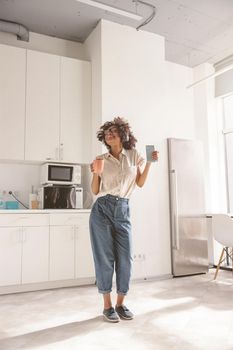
column 33, row 202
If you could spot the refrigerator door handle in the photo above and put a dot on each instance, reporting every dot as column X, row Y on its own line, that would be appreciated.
column 175, row 224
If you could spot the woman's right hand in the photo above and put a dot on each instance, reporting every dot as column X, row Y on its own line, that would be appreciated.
column 95, row 184
column 97, row 166
column 92, row 167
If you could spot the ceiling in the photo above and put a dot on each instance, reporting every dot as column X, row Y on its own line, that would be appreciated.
column 195, row 31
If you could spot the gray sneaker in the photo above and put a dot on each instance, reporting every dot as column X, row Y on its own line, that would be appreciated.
column 124, row 312
column 110, row 315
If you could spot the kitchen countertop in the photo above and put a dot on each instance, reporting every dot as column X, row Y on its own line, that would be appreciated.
column 43, row 211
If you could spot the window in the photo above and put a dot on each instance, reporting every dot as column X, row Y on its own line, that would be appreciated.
column 228, row 138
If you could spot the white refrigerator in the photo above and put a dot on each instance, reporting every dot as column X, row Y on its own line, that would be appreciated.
column 189, row 250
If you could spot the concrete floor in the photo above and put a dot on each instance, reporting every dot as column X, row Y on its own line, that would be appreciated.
column 176, row 314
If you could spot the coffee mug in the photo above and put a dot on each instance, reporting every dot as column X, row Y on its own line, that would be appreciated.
column 98, row 166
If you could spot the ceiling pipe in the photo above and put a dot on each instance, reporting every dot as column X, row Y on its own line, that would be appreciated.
column 19, row 30
column 152, row 15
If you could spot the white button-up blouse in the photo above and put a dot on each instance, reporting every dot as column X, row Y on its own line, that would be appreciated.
column 119, row 176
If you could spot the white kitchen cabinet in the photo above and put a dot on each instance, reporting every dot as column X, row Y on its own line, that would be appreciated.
column 70, row 247
column 35, row 247
column 44, row 250
column 12, row 102
column 84, row 265
column 35, row 254
column 24, row 248
column 10, row 255
column 61, row 253
column 42, row 106
column 45, row 106
column 75, row 129
column 58, row 108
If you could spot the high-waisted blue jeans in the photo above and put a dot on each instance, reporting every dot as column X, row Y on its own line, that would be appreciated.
column 110, row 232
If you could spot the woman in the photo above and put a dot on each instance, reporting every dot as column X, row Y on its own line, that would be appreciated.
column 110, row 227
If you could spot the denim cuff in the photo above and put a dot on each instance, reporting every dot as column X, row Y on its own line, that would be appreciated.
column 122, row 293
column 105, row 291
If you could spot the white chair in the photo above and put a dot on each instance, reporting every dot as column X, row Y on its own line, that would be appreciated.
column 222, row 228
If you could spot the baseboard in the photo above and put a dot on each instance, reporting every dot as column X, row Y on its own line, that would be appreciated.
column 46, row 285
column 152, row 278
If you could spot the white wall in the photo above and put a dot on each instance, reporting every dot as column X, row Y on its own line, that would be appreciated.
column 138, row 84
column 20, row 178
column 47, row 44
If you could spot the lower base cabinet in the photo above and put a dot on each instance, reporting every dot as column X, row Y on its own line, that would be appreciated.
column 35, row 254
column 10, row 255
column 61, row 253
column 70, row 247
column 84, row 265
column 45, row 248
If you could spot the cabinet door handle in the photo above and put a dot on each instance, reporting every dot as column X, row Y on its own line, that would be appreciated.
column 76, row 232
column 57, row 153
column 61, row 151
column 24, row 235
column 48, row 158
column 73, row 233
column 16, row 237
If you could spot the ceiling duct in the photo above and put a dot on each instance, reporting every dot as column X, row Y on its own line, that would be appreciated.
column 20, row 31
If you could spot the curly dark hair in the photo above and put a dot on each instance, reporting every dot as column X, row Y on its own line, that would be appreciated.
column 124, row 130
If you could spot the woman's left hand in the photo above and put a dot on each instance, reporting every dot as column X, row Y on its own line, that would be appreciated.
column 155, row 155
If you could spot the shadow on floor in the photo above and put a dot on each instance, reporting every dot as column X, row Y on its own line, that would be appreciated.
column 50, row 335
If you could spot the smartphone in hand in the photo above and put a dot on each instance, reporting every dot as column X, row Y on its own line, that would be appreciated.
column 149, row 150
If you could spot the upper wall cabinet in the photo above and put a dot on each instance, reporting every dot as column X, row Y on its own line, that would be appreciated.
column 12, row 102
column 42, row 106
column 58, row 108
column 75, row 128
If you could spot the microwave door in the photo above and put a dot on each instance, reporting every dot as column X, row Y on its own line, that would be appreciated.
column 60, row 173
column 71, row 201
column 68, row 198
column 51, row 198
column 63, row 198
column 59, row 197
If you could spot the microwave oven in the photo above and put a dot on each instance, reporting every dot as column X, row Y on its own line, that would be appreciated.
column 57, row 173
column 60, row 197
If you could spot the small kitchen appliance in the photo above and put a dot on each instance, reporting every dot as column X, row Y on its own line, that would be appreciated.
column 60, row 173
column 60, row 197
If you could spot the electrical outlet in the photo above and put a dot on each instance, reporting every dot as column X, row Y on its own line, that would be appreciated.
column 139, row 257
